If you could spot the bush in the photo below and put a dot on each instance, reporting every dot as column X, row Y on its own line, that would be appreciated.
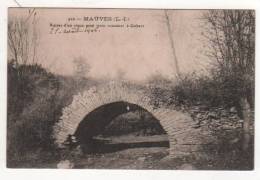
column 32, row 109
column 217, row 90
column 193, row 89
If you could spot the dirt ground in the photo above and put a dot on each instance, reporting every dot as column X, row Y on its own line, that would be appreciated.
column 146, row 152
column 135, row 158
column 151, row 152
column 134, row 152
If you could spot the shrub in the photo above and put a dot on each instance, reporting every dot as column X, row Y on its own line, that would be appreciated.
column 32, row 109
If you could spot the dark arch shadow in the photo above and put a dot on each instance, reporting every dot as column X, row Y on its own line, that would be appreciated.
column 96, row 121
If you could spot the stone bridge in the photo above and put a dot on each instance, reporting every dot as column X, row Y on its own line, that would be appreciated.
column 184, row 137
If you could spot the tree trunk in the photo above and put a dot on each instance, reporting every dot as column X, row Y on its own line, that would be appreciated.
column 246, row 124
column 172, row 44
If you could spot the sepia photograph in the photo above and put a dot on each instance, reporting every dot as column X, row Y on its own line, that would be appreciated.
column 134, row 89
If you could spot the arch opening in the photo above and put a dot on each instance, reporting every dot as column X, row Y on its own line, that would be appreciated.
column 117, row 126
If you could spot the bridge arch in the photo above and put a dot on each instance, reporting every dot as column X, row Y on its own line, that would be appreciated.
column 178, row 125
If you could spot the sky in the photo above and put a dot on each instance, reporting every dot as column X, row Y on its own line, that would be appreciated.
column 139, row 52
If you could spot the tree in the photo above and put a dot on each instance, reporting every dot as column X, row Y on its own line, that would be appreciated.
column 231, row 37
column 81, row 68
column 120, row 75
column 170, row 33
column 23, row 39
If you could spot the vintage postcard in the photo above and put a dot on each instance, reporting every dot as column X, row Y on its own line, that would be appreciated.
column 130, row 88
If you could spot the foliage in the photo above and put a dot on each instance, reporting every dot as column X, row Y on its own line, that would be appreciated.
column 137, row 122
column 32, row 109
column 23, row 38
column 81, row 67
column 232, row 43
column 194, row 89
column 231, row 39
column 35, row 102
